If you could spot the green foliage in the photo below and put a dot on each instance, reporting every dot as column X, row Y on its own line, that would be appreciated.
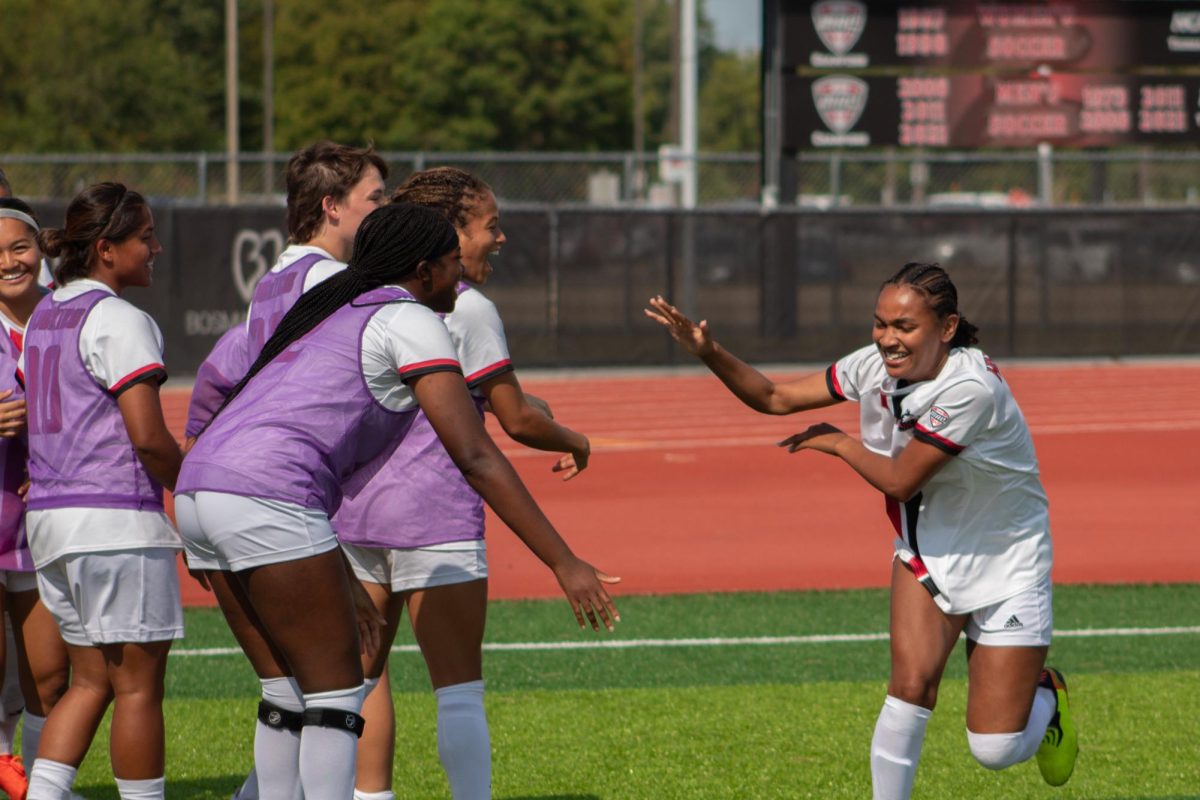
column 83, row 75
column 149, row 75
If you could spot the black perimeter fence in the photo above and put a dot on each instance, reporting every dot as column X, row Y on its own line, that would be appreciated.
column 789, row 285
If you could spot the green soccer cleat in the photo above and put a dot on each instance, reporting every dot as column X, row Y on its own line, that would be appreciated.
column 1060, row 746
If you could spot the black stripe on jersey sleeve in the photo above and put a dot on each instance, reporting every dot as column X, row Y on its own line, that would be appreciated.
column 407, row 377
column 940, row 442
column 158, row 375
column 484, row 377
column 831, row 382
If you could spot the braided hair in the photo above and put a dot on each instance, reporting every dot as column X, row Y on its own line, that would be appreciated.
column 102, row 211
column 390, row 244
column 450, row 190
column 934, row 283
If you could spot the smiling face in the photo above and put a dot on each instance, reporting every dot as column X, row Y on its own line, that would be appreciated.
column 20, row 260
column 914, row 343
column 129, row 262
column 480, row 237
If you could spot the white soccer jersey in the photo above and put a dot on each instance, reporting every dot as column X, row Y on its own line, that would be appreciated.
column 981, row 524
column 478, row 336
column 400, row 342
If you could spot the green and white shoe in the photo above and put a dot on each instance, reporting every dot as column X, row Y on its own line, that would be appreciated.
column 1060, row 746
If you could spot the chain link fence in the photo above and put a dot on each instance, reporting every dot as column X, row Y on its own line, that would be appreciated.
column 860, row 179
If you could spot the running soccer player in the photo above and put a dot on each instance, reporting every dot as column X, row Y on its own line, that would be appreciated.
column 414, row 532
column 342, row 378
column 946, row 443
column 99, row 457
column 34, row 656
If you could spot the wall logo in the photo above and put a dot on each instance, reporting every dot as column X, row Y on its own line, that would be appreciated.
column 253, row 254
column 839, row 25
column 840, row 101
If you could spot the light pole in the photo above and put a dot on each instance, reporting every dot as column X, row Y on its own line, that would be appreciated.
column 231, row 102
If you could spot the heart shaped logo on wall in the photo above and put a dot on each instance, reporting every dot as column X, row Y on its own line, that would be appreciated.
column 254, row 252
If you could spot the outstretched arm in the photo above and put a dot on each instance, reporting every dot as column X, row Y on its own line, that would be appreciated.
column 444, row 399
column 534, row 427
column 899, row 477
column 747, row 384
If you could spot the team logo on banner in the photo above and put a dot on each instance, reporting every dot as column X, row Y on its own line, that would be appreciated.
column 839, row 25
column 938, row 417
column 840, row 100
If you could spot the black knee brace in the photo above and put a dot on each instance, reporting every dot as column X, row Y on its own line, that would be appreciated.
column 334, row 718
column 273, row 716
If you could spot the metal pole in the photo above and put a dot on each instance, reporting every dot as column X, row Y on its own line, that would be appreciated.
column 268, row 97
column 635, row 183
column 1045, row 153
column 231, row 102
column 688, row 136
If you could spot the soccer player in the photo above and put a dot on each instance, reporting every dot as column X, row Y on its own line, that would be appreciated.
column 34, row 656
column 414, row 532
column 100, row 455
column 333, row 389
column 945, row 442
column 331, row 187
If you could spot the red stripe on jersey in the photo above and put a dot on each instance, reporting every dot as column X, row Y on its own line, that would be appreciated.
column 18, row 339
column 498, row 365
column 942, row 440
column 893, row 512
column 436, row 362
column 116, row 387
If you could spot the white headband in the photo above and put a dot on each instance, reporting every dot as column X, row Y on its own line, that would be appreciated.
column 12, row 213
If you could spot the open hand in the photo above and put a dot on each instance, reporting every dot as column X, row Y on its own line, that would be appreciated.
column 12, row 415
column 583, row 585
column 822, row 437
column 695, row 338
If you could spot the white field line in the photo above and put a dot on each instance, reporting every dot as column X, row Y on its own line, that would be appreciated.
column 720, row 641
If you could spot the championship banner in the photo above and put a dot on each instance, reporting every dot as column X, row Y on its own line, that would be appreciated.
column 1101, row 35
column 971, row 111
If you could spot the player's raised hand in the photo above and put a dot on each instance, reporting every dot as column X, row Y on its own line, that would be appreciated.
column 695, row 338
column 583, row 585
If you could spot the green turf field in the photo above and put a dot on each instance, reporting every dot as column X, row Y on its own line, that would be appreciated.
column 723, row 717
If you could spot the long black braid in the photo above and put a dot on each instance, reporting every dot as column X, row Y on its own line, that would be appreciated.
column 933, row 282
column 391, row 242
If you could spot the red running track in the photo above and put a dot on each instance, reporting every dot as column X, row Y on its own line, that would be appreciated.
column 687, row 493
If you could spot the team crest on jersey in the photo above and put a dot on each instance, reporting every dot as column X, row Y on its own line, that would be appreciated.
column 840, row 100
column 938, row 417
column 839, row 23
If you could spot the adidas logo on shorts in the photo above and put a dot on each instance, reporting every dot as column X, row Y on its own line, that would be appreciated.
column 1013, row 623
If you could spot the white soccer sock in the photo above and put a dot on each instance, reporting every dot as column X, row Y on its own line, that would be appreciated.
column 8, row 730
column 896, row 748
column 387, row 794
column 327, row 755
column 463, row 741
column 1000, row 750
column 277, row 750
column 147, row 789
column 50, row 780
column 31, row 734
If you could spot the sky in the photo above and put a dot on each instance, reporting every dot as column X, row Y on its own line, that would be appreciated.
column 736, row 23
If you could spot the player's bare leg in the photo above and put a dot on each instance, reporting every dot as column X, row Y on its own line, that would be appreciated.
column 922, row 637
